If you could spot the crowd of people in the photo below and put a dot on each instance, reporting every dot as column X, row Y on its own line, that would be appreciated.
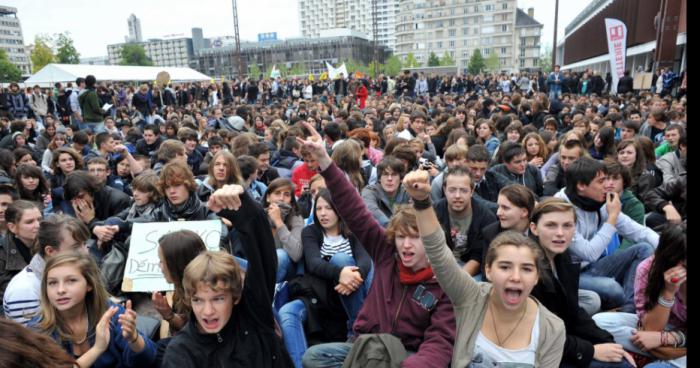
column 413, row 220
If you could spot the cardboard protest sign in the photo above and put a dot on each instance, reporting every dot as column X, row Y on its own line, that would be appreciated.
column 142, row 271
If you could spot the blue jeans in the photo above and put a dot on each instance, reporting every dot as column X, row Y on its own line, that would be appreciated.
column 286, row 268
column 353, row 302
column 292, row 317
column 331, row 355
column 612, row 276
column 242, row 262
column 589, row 301
column 621, row 325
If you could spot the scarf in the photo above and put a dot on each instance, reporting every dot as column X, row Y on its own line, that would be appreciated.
column 409, row 277
column 584, row 203
column 141, row 211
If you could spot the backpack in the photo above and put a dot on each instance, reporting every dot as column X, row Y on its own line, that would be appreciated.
column 63, row 106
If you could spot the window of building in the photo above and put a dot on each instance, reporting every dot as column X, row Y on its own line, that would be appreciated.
column 503, row 50
column 486, row 51
column 489, row 7
column 452, row 44
column 522, row 63
column 487, row 30
column 522, row 52
column 439, row 44
column 504, row 28
column 452, row 22
column 453, row 32
column 505, row 5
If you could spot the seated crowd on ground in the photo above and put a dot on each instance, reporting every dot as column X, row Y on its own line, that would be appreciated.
column 431, row 221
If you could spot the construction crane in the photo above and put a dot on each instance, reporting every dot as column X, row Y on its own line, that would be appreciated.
column 239, row 59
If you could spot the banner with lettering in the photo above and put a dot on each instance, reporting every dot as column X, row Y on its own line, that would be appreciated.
column 617, row 48
column 142, row 271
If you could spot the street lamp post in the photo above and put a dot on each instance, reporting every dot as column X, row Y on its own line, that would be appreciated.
column 554, row 45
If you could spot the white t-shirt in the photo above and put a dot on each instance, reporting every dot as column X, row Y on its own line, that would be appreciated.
column 488, row 354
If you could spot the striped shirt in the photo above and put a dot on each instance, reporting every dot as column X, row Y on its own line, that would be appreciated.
column 22, row 296
column 335, row 244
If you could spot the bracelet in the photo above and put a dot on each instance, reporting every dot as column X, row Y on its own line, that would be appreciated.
column 135, row 340
column 668, row 303
column 422, row 204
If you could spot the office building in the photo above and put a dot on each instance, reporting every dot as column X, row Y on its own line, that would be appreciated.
column 459, row 28
column 135, row 34
column 318, row 15
column 310, row 53
column 11, row 39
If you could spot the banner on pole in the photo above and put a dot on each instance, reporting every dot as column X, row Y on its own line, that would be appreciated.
column 334, row 73
column 275, row 72
column 617, row 48
column 142, row 271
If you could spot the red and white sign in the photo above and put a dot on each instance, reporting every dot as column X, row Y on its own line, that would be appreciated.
column 617, row 48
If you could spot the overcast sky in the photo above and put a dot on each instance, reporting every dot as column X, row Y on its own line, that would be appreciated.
column 94, row 24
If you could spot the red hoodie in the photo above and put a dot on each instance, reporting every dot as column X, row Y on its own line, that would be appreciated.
column 389, row 306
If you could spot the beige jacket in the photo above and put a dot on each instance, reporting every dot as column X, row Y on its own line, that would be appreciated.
column 470, row 299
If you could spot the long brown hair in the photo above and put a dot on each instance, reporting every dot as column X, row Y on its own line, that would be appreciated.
column 96, row 300
column 179, row 248
column 22, row 347
column 348, row 157
column 233, row 172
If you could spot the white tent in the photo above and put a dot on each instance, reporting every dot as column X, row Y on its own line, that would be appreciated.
column 53, row 73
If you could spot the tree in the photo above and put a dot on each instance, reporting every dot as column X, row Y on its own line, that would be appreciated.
column 493, row 63
column 370, row 69
column 476, row 62
column 134, row 54
column 392, row 66
column 42, row 54
column 433, row 60
column 411, row 61
column 8, row 72
column 545, row 61
column 65, row 50
column 446, row 60
column 254, row 71
column 356, row 66
column 297, row 69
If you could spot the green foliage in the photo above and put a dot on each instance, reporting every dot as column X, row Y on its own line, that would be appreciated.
column 297, row 69
column 8, row 72
column 134, row 54
column 392, row 66
column 356, row 66
column 545, row 61
column 446, row 60
column 433, row 60
column 493, row 63
column 254, row 71
column 411, row 61
column 370, row 69
column 476, row 62
column 42, row 54
column 65, row 50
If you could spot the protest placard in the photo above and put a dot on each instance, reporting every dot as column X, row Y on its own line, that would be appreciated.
column 142, row 272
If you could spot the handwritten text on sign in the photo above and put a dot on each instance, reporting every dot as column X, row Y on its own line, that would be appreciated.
column 142, row 271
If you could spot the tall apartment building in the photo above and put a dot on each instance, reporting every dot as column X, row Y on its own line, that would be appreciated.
column 318, row 15
column 163, row 52
column 458, row 27
column 135, row 34
column 11, row 39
